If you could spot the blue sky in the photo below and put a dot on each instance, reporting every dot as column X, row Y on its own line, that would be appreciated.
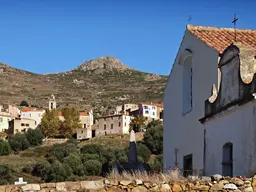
column 49, row 36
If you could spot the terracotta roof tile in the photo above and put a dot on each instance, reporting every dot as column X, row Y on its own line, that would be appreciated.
column 84, row 113
column 28, row 109
column 221, row 38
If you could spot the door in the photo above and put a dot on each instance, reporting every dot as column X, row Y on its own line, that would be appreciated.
column 188, row 165
column 227, row 160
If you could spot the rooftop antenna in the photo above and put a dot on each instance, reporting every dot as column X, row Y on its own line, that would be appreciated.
column 234, row 22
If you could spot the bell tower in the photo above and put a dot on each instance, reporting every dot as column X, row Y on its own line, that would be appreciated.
column 52, row 102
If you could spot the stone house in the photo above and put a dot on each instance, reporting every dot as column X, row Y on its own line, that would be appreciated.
column 86, row 118
column 126, row 108
column 194, row 78
column 32, row 113
column 21, row 125
column 113, row 124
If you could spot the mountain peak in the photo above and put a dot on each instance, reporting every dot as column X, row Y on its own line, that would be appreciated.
column 106, row 63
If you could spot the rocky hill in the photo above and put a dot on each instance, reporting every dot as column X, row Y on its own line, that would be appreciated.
column 99, row 83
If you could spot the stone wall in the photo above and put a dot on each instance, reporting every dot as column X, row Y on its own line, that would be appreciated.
column 216, row 183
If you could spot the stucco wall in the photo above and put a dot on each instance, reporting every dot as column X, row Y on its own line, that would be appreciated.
column 186, row 132
column 237, row 126
column 34, row 115
column 4, row 122
column 18, row 125
column 120, row 125
column 86, row 130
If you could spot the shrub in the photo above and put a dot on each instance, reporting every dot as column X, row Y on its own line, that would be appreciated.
column 153, row 138
column 60, row 151
column 27, row 170
column 75, row 163
column 156, row 164
column 57, row 172
column 143, row 152
column 92, row 149
column 5, row 148
column 41, row 169
column 18, row 142
column 34, row 137
column 88, row 156
column 121, row 156
column 5, row 175
column 24, row 104
column 92, row 167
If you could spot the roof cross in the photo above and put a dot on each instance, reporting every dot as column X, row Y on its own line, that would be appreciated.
column 189, row 18
column 234, row 22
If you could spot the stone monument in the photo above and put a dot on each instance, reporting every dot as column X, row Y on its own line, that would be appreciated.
column 133, row 164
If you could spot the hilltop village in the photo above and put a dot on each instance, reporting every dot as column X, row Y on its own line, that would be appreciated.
column 18, row 119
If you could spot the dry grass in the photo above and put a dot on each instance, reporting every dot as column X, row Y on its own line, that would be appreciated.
column 171, row 176
column 112, row 141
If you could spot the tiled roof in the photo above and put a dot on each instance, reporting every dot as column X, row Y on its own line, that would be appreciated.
column 153, row 104
column 83, row 113
column 221, row 38
column 28, row 109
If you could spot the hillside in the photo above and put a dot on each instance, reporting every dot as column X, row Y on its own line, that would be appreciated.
column 29, row 157
column 100, row 82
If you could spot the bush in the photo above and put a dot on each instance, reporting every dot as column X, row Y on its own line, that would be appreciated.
column 60, row 151
column 153, row 138
column 5, row 175
column 24, row 104
column 88, row 156
column 92, row 149
column 27, row 170
column 121, row 156
column 34, row 137
column 41, row 169
column 92, row 167
column 156, row 164
column 5, row 148
column 57, row 172
column 75, row 163
column 143, row 152
column 18, row 142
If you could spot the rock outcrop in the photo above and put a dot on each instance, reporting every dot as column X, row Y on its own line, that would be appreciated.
column 103, row 64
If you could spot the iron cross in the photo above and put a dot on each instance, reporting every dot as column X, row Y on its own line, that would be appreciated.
column 234, row 22
column 189, row 18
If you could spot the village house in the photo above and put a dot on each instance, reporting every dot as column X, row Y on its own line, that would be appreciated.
column 9, row 110
column 113, row 124
column 86, row 119
column 32, row 113
column 4, row 122
column 151, row 111
column 126, row 108
column 21, row 125
column 195, row 77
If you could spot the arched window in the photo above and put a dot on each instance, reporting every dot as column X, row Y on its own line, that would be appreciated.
column 187, row 78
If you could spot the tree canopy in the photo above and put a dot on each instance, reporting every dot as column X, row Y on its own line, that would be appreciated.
column 137, row 123
column 50, row 123
column 24, row 104
column 153, row 138
column 71, row 122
